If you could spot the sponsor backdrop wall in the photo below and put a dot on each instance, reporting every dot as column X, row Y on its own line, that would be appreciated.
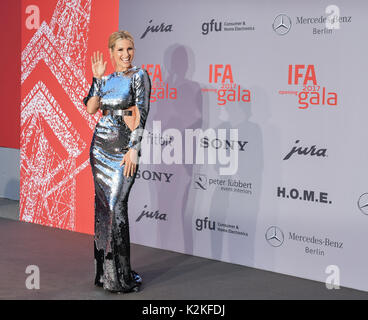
column 286, row 75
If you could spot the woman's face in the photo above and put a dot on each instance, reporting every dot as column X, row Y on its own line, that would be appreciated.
column 122, row 54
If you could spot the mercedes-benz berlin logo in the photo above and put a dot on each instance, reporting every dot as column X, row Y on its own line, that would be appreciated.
column 274, row 236
column 363, row 203
column 281, row 24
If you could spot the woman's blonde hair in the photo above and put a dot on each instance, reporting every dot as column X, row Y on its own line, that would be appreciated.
column 121, row 34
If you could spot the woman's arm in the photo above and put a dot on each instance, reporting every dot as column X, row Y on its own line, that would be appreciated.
column 92, row 101
column 142, row 89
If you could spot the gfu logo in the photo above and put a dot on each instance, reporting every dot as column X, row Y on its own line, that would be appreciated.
column 158, row 28
column 211, row 26
column 274, row 236
column 312, row 151
column 363, row 203
column 205, row 224
column 281, row 24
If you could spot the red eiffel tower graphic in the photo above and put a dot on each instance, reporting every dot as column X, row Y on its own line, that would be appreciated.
column 51, row 147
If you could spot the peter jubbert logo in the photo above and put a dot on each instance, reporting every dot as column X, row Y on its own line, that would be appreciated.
column 227, row 90
column 302, row 81
column 203, row 182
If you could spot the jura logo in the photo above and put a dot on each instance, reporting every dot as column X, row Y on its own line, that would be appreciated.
column 312, row 151
column 153, row 215
column 223, row 144
column 159, row 28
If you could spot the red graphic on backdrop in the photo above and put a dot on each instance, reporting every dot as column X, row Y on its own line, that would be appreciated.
column 50, row 143
column 311, row 93
column 160, row 89
column 228, row 91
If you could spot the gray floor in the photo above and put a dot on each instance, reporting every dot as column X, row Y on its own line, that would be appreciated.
column 65, row 261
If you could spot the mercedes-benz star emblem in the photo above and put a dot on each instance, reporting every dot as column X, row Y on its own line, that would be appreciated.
column 281, row 24
column 274, row 236
column 363, row 203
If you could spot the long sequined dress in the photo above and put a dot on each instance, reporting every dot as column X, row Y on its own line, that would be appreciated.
column 111, row 140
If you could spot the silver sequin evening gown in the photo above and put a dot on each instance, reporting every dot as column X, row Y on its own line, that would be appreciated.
column 112, row 138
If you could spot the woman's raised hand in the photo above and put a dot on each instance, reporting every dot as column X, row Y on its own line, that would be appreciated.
column 98, row 65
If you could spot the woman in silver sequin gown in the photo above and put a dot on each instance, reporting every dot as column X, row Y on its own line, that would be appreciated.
column 124, row 97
